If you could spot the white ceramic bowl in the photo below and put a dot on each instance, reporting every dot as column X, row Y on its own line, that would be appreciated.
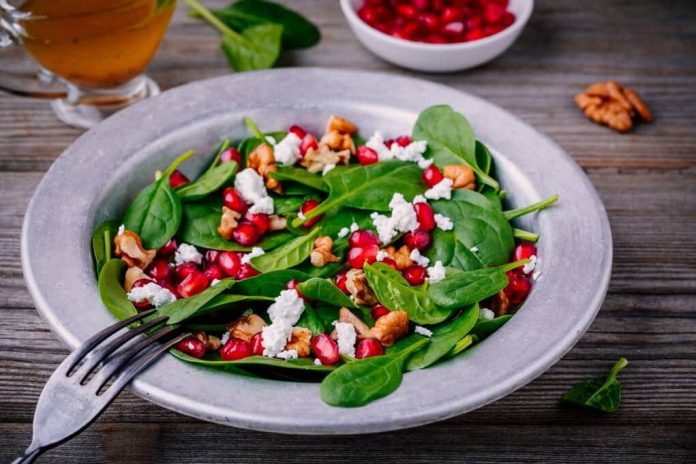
column 437, row 57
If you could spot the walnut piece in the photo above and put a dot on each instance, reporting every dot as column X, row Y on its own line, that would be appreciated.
column 613, row 105
column 262, row 160
column 228, row 222
column 338, row 141
column 362, row 329
column 129, row 247
column 390, row 327
column 316, row 159
column 356, row 283
column 212, row 343
column 133, row 274
column 402, row 257
column 461, row 175
column 276, row 222
column 321, row 254
column 500, row 304
column 246, row 327
column 341, row 125
column 299, row 341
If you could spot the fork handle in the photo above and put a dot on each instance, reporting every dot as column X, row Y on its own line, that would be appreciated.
column 28, row 455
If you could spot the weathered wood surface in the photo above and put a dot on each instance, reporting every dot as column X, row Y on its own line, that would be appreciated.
column 647, row 180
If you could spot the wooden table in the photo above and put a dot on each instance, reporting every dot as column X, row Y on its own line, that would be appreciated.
column 647, row 180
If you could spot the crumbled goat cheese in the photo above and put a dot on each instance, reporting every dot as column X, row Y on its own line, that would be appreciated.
column 474, row 249
column 436, row 272
column 423, row 331
column 531, row 265
column 418, row 258
column 264, row 206
column 287, row 151
column 256, row 251
column 287, row 354
column 442, row 189
column 376, row 142
column 317, row 362
column 402, row 219
column 152, row 293
column 327, row 168
column 225, row 338
column 343, row 232
column 214, row 282
column 346, row 337
column 121, row 229
column 354, row 227
column 443, row 222
column 425, row 163
column 250, row 186
column 413, row 152
column 486, row 314
column 287, row 306
column 381, row 254
column 187, row 254
column 275, row 336
column 419, row 199
column 385, row 231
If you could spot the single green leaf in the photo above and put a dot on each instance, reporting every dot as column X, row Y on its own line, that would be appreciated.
column 311, row 321
column 111, row 290
column 467, row 287
column 208, row 183
column 484, row 159
column 257, row 47
column 301, row 176
column 484, row 329
column 226, row 300
column 268, row 284
column 186, row 308
column 286, row 205
column 288, row 255
column 305, row 364
column 324, row 291
column 102, row 240
column 602, row 394
column 453, row 253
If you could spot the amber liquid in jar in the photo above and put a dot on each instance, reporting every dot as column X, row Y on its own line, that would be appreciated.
column 96, row 43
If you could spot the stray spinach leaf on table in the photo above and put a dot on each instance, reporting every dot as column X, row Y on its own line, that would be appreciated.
column 603, row 394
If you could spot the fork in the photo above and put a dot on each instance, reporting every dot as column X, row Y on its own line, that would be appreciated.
column 91, row 377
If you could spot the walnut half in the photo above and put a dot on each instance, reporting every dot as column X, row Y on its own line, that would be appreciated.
column 461, row 175
column 321, row 254
column 246, row 327
column 299, row 341
column 129, row 247
column 356, row 283
column 390, row 327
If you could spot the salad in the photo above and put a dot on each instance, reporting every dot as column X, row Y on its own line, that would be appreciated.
column 338, row 258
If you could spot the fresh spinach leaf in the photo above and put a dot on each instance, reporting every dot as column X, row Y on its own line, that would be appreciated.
column 286, row 205
column 483, row 157
column 300, row 364
column 396, row 294
column 286, row 256
column 225, row 301
column 311, row 321
column 102, row 240
column 453, row 253
column 360, row 382
column 600, row 393
column 484, row 329
column 538, row 206
column 467, row 287
column 111, row 291
column 186, row 308
column 301, row 176
column 268, row 284
column 209, row 182
column 324, row 291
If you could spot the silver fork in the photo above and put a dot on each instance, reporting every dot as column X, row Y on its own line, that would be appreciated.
column 91, row 377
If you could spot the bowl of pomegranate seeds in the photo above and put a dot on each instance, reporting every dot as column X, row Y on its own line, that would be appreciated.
column 437, row 35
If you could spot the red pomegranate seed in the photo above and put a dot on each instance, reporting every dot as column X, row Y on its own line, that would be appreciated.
column 436, row 39
column 390, row 262
column 257, row 344
column 213, row 272
column 233, row 200
column 415, row 274
column 358, row 256
column 309, row 141
column 308, row 206
column 378, row 310
column 141, row 283
column 370, row 15
column 260, row 221
column 229, row 262
column 245, row 234
column 421, row 5
column 298, row 131
column 425, row 215
column 193, row 284
column 406, row 11
column 177, row 179
column 524, row 250
column 518, row 287
column 507, row 20
column 403, row 140
column 451, row 14
column 474, row 34
column 168, row 248
column 211, row 256
column 235, row 349
column 493, row 13
column 367, row 348
column 231, row 154
column 161, row 269
column 366, row 155
column 192, row 347
column 418, row 239
column 430, row 21
column 326, row 349
column 292, row 285
column 340, row 282
column 363, row 238
column 473, row 23
column 432, row 175
column 246, row 271
column 183, row 270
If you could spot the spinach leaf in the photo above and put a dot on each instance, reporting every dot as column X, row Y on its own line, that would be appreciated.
column 298, row 32
column 467, row 287
column 450, row 139
column 225, row 301
column 185, row 308
column 599, row 393
column 155, row 213
column 208, row 183
column 462, row 345
column 301, row 364
column 102, row 240
column 396, row 294
column 485, row 328
column 286, row 205
column 445, row 337
column 268, row 284
column 248, row 145
column 453, row 253
column 360, row 382
column 324, row 291
column 111, row 291
column 310, row 320
column 369, row 187
column 301, row 176
column 525, row 235
column 286, row 256
column 483, row 158
column 538, row 206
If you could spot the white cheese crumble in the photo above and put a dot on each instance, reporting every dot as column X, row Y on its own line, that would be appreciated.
column 264, row 205
column 284, row 313
column 250, row 186
column 121, row 229
column 442, row 189
column 187, row 254
column 423, row 331
column 474, row 249
column 402, row 219
column 287, row 151
column 436, row 272
column 385, row 231
column 354, row 227
column 531, row 265
column 413, row 152
column 343, row 233
column 425, row 163
column 274, row 337
column 443, row 222
column 486, row 314
column 376, row 142
column 327, row 168
column 317, row 362
column 346, row 337
column 381, row 254
column 256, row 251
column 225, row 338
column 419, row 199
column 214, row 282
column 287, row 354
column 152, row 293
column 419, row 259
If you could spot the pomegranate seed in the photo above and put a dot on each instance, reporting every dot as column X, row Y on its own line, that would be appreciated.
column 326, row 349
column 418, row 239
column 474, row 34
column 245, row 234
column 358, row 256
column 415, row 274
column 177, row 179
column 160, row 269
column 366, row 155
column 518, row 287
column 260, row 221
column 403, row 140
column 430, row 21
column 233, row 200
column 231, row 154
column 367, row 348
column 214, row 272
column 229, row 262
column 378, row 310
column 168, row 248
column 246, row 271
column 507, row 20
column 192, row 347
column 451, row 14
column 406, row 11
column 432, row 175
column 341, row 282
column 308, row 206
column 292, row 285
column 473, row 23
column 257, row 344
column 235, row 349
column 363, row 238
column 436, row 39
column 524, row 250
column 493, row 13
column 193, row 284
column 390, row 262
column 141, row 283
column 421, row 5
column 183, row 270
column 298, row 131
column 370, row 15
column 425, row 215
column 309, row 141
column 211, row 256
